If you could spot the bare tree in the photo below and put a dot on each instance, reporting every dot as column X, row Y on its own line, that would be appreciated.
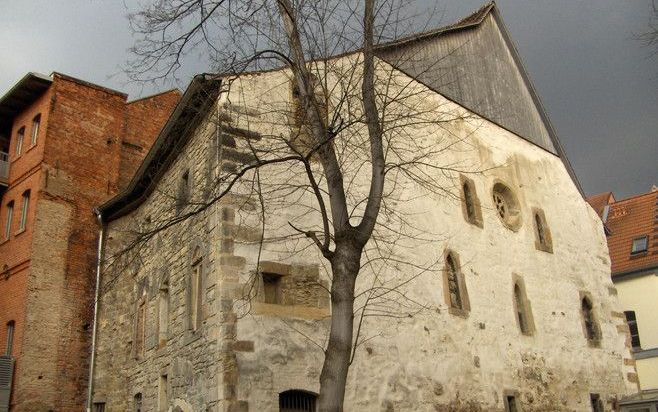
column 355, row 116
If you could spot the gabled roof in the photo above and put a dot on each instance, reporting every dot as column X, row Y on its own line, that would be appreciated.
column 629, row 219
column 600, row 201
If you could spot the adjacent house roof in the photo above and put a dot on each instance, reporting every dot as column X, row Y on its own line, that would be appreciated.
column 600, row 201
column 629, row 219
column 500, row 104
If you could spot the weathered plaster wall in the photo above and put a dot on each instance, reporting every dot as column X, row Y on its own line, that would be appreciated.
column 250, row 351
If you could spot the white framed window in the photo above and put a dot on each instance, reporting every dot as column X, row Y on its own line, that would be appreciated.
column 24, row 209
column 20, row 136
column 10, row 217
column 36, row 122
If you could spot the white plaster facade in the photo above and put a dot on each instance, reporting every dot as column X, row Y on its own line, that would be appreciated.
column 246, row 352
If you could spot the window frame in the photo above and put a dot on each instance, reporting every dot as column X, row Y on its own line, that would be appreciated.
column 514, row 394
column 645, row 239
column 163, row 312
column 596, row 402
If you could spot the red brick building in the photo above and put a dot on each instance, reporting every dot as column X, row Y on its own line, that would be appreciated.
column 65, row 146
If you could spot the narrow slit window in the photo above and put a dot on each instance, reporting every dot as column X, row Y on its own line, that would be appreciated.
column 522, row 310
column 194, row 307
column 543, row 240
column 163, row 313
column 470, row 202
column 163, row 394
column 454, row 286
column 511, row 404
column 36, row 123
column 589, row 322
column 140, row 328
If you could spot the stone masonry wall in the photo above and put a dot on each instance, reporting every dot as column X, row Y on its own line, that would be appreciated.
column 422, row 359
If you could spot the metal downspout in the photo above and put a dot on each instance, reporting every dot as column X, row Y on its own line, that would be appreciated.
column 96, row 294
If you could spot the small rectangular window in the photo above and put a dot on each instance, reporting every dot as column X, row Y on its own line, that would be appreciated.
column 35, row 128
column 24, row 209
column 596, row 402
column 10, row 217
column 272, row 288
column 140, row 329
column 640, row 245
column 99, row 406
column 632, row 326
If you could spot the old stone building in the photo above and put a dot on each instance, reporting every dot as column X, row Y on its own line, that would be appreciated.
column 65, row 146
column 486, row 287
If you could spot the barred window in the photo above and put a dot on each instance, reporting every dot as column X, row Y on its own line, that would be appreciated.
column 297, row 401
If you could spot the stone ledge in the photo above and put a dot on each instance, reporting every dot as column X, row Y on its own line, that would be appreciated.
column 302, row 312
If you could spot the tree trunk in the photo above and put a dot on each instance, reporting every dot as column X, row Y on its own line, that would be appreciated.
column 345, row 267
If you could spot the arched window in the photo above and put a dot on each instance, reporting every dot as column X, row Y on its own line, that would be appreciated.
column 194, row 296
column 589, row 322
column 454, row 286
column 36, row 122
column 470, row 203
column 297, row 401
column 20, row 136
column 163, row 312
column 507, row 206
column 137, row 402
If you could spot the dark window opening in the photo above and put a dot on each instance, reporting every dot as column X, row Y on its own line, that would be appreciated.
column 591, row 330
column 272, row 288
column 35, row 128
column 511, row 404
column 632, row 326
column 470, row 206
column 541, row 235
column 20, row 136
column 184, row 189
column 596, row 402
column 297, row 401
column 137, row 402
column 99, row 406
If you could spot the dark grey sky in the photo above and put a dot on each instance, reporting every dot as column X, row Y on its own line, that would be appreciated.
column 598, row 84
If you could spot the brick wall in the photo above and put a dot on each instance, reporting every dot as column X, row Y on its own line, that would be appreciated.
column 74, row 167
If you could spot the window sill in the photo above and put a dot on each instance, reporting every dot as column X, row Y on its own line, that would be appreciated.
column 20, row 232
column 2, row 242
column 32, row 146
column 462, row 313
